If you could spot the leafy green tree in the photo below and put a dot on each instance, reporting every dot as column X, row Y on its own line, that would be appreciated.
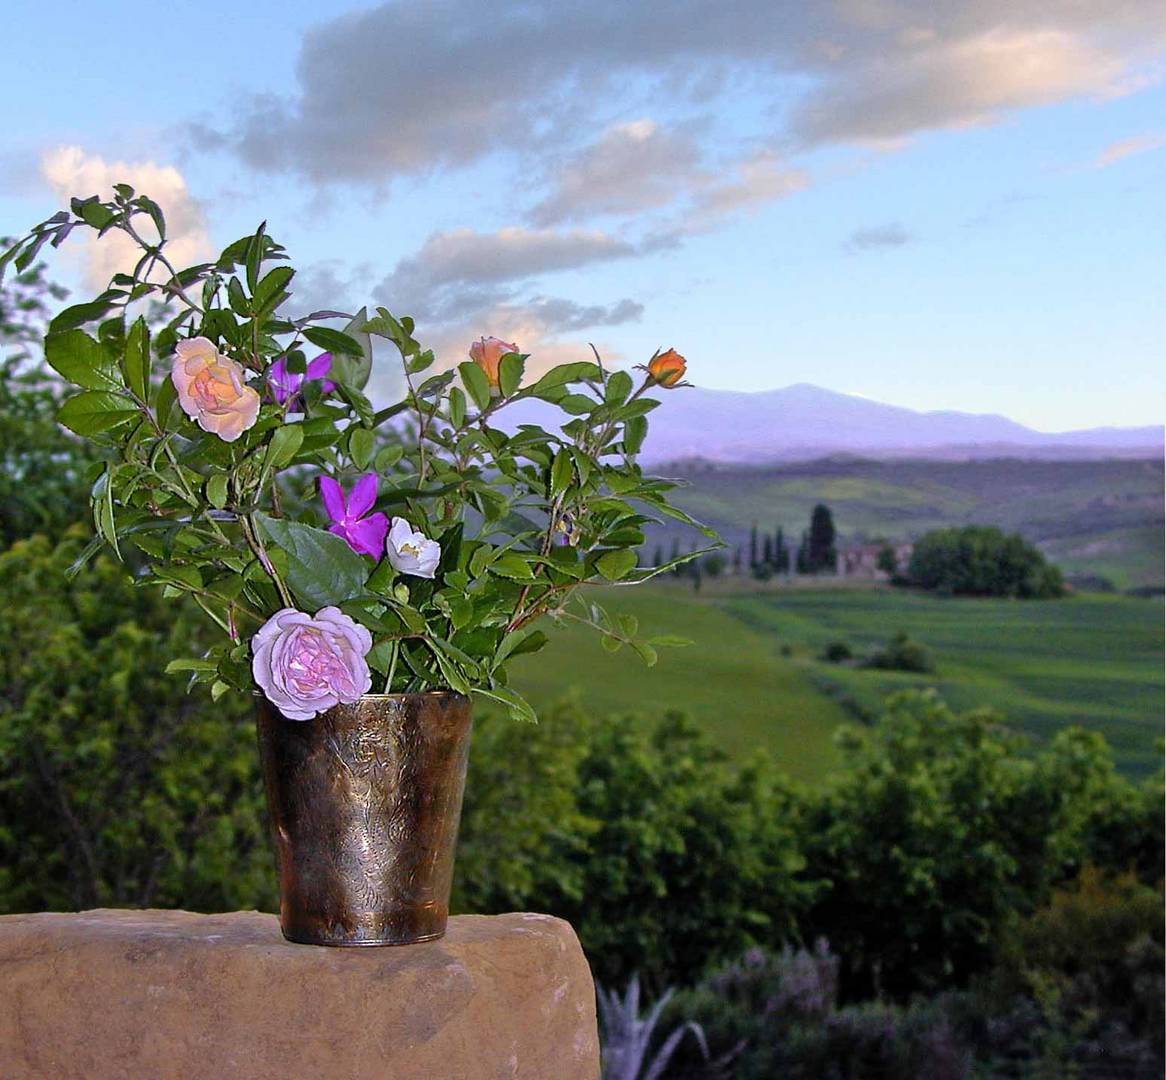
column 820, row 551
column 117, row 788
column 980, row 560
column 44, row 471
column 938, row 833
column 780, row 552
column 887, row 561
column 663, row 857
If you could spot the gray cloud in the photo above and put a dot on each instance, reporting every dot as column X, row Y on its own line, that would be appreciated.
column 404, row 87
column 875, row 237
column 465, row 268
column 631, row 167
column 562, row 316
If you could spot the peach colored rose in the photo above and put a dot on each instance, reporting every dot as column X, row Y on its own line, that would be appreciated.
column 667, row 368
column 487, row 354
column 211, row 390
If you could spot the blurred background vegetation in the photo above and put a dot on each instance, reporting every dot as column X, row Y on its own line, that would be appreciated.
column 897, row 857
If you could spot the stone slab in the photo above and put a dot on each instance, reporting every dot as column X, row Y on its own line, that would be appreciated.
column 156, row 995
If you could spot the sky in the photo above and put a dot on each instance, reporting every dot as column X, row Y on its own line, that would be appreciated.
column 933, row 203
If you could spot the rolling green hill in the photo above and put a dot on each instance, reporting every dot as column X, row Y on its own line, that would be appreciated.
column 1092, row 517
column 1093, row 660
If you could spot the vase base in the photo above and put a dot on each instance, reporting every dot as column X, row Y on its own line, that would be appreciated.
column 363, row 943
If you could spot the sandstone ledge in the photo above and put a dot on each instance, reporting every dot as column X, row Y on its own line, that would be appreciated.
column 161, row 994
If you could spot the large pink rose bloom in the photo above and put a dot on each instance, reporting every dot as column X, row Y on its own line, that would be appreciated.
column 211, row 390
column 305, row 664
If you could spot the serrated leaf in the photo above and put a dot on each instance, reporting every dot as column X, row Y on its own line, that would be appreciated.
column 457, row 406
column 562, row 472
column 81, row 360
column 476, row 383
column 512, row 565
column 510, row 369
column 518, row 706
column 619, row 386
column 136, row 359
column 615, row 565
column 361, row 444
column 284, row 445
column 95, row 411
column 322, row 568
column 216, row 491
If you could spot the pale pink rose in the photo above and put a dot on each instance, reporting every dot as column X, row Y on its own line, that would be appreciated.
column 305, row 664
column 487, row 353
column 211, row 390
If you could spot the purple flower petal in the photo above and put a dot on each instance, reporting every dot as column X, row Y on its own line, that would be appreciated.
column 333, row 497
column 320, row 367
column 368, row 536
column 362, row 496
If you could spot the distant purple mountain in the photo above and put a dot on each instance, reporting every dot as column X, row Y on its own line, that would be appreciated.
column 801, row 422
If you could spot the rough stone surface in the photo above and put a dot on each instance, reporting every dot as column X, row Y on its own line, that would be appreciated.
column 160, row 994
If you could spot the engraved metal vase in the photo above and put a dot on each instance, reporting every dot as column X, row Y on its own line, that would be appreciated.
column 364, row 802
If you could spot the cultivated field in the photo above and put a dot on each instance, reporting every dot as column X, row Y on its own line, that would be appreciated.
column 753, row 676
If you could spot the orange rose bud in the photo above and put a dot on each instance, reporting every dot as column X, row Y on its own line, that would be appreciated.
column 487, row 354
column 668, row 368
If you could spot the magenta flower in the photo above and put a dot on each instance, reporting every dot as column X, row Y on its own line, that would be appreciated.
column 365, row 535
column 305, row 664
column 286, row 384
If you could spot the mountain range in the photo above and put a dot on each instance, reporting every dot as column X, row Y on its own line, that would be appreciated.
column 803, row 422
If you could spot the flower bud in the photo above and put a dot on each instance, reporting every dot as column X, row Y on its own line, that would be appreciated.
column 667, row 368
column 487, row 353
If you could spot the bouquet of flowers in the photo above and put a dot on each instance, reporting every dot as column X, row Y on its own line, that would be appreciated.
column 344, row 549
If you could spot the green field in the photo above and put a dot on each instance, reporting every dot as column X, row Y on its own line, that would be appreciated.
column 1092, row 660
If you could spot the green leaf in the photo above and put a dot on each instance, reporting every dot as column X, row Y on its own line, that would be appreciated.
column 216, row 491
column 361, row 444
column 353, row 371
column 516, row 644
column 510, row 369
column 562, row 375
column 457, row 406
column 334, row 341
column 577, row 404
column 273, row 283
column 175, row 666
column 512, row 565
column 562, row 472
column 619, row 386
column 284, row 445
column 476, row 383
column 634, row 433
column 80, row 314
column 75, row 356
column 101, row 501
column 95, row 411
column 136, row 359
column 615, row 565
column 518, row 707
column 322, row 568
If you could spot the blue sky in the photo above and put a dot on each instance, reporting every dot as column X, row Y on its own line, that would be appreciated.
column 937, row 205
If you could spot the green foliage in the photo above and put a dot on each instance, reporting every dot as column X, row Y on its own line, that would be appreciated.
column 523, row 521
column 980, row 560
column 117, row 789
column 662, row 857
column 820, row 551
column 939, row 832
column 836, row 652
column 903, row 653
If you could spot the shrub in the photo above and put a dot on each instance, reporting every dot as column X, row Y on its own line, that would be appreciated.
column 902, row 653
column 979, row 560
column 836, row 652
column 663, row 857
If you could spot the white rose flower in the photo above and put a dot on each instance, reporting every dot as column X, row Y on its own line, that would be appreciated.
column 411, row 552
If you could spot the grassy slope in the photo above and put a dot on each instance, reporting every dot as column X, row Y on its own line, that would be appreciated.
column 1093, row 660
column 1100, row 517
column 732, row 679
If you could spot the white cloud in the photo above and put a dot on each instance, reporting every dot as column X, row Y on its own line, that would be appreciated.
column 874, row 237
column 70, row 172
